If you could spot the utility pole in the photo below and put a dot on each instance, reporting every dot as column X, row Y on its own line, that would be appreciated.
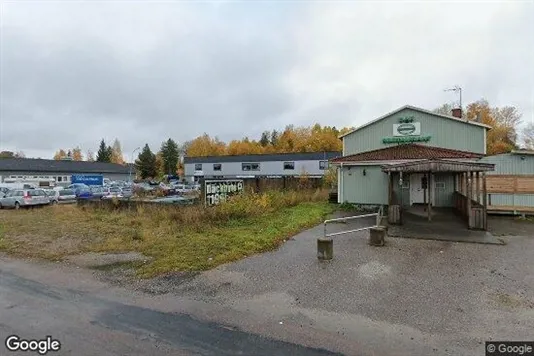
column 131, row 164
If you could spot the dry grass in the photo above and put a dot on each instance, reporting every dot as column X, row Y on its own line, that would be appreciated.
column 178, row 238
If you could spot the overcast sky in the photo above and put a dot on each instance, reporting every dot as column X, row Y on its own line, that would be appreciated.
column 75, row 72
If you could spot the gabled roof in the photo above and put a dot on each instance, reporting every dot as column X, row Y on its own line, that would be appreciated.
column 50, row 165
column 407, row 151
column 299, row 156
column 420, row 110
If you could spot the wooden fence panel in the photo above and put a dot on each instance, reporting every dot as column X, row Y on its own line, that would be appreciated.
column 525, row 185
column 501, row 184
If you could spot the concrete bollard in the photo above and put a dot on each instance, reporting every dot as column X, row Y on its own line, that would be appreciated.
column 377, row 236
column 325, row 248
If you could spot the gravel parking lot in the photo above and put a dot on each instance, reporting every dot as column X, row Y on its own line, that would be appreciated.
column 410, row 297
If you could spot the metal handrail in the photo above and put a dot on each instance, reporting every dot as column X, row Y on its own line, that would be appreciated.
column 378, row 218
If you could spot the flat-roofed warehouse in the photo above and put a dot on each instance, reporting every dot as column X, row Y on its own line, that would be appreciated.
column 313, row 164
column 58, row 172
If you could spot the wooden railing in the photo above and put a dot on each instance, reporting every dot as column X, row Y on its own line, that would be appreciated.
column 472, row 211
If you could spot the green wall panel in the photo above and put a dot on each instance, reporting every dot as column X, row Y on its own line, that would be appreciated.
column 370, row 188
column 443, row 133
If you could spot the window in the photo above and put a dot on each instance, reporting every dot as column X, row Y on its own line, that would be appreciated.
column 323, row 165
column 66, row 179
column 289, row 165
column 217, row 166
column 250, row 166
column 440, row 185
column 198, row 166
column 59, row 179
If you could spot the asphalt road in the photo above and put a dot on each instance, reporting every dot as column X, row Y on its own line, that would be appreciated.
column 88, row 324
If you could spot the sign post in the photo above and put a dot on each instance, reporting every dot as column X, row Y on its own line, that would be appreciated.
column 217, row 191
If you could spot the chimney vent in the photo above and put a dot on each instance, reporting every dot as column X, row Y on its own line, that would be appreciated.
column 457, row 113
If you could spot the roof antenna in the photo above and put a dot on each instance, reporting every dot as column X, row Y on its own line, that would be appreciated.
column 458, row 90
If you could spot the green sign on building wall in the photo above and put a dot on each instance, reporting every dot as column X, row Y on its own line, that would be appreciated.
column 406, row 131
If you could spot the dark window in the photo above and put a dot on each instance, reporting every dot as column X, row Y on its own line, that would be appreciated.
column 198, row 166
column 59, row 179
column 289, row 165
column 250, row 166
column 323, row 165
column 217, row 166
column 66, row 192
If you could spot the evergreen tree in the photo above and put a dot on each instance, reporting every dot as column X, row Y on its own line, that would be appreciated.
column 274, row 138
column 104, row 153
column 265, row 139
column 170, row 155
column 146, row 163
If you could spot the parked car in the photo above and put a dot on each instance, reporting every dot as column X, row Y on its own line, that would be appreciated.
column 114, row 192
column 63, row 196
column 100, row 192
column 183, row 188
column 19, row 198
column 127, row 192
column 83, row 193
column 3, row 191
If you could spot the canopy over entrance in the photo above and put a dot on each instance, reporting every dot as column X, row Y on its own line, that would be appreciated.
column 439, row 165
column 469, row 187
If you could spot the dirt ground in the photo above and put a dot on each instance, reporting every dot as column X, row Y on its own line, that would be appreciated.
column 410, row 297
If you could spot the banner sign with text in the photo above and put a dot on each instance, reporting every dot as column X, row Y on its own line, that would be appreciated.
column 217, row 191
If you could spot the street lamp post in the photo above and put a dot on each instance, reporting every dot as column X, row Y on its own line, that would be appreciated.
column 131, row 164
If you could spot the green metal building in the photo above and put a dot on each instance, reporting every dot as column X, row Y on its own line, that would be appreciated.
column 414, row 156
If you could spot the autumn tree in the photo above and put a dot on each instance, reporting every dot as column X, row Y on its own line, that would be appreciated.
column 104, row 152
column 502, row 137
column 90, row 156
column 205, row 146
column 77, row 154
column 11, row 154
column 170, row 155
column 60, row 154
column 116, row 152
column 146, row 163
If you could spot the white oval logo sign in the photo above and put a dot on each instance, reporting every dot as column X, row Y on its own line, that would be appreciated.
column 406, row 129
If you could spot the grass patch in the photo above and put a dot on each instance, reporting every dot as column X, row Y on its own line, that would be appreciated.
column 190, row 238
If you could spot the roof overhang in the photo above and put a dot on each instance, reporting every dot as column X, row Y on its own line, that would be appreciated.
column 522, row 152
column 439, row 165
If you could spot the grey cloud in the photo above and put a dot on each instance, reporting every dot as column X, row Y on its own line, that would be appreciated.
column 74, row 73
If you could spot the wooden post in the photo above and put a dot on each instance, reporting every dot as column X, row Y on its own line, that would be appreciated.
column 468, row 196
column 429, row 186
column 473, row 182
column 455, row 177
column 390, row 189
column 484, row 200
column 478, row 187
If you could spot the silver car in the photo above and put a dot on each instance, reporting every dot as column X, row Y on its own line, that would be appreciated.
column 19, row 198
column 63, row 196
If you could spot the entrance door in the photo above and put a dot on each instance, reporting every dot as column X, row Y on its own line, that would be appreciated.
column 417, row 193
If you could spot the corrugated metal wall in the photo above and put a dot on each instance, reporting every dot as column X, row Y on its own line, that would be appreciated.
column 371, row 188
column 444, row 133
column 515, row 164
